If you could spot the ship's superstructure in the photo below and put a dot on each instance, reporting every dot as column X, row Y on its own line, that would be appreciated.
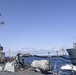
column 2, row 55
column 72, row 54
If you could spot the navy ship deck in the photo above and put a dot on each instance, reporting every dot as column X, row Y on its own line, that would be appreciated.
column 24, row 72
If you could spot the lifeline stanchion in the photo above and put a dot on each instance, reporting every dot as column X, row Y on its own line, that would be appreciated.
column 72, row 70
column 55, row 70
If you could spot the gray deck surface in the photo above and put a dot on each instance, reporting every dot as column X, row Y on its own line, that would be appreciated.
column 24, row 72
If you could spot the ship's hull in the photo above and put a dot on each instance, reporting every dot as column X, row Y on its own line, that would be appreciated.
column 72, row 54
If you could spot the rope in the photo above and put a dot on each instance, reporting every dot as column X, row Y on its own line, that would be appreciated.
column 68, row 58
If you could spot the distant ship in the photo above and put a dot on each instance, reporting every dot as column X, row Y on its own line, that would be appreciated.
column 72, row 54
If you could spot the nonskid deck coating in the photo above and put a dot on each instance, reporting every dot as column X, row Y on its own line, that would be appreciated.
column 24, row 72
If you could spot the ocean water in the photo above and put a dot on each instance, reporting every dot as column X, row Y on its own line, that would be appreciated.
column 56, row 63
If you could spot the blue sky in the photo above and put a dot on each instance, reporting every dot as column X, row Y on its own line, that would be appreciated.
column 40, row 24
